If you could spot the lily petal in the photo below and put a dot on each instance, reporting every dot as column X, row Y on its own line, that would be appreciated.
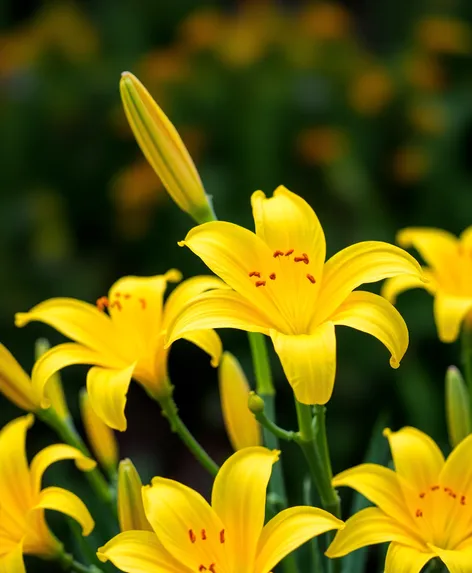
column 309, row 362
column 466, row 238
column 288, row 530
column 457, row 561
column 374, row 315
column 369, row 527
column 59, row 357
column 15, row 384
column 238, row 498
column 208, row 341
column 12, row 562
column 55, row 453
column 67, row 503
column 139, row 552
column 107, row 389
column 396, row 285
column 457, row 471
column 449, row 312
column 361, row 263
column 185, row 524
column 233, row 253
column 404, row 559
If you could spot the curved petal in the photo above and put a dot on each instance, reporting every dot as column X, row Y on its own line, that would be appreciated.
column 374, row 315
column 416, row 456
column 218, row 309
column 185, row 292
column 55, row 453
column 186, row 525
column 15, row 483
column 107, row 389
column 243, row 429
column 239, row 497
column 399, row 284
column 404, row 559
column 381, row 486
column 15, row 384
column 457, row 561
column 234, row 253
column 309, row 362
column 57, row 358
column 12, row 562
column 67, row 503
column 466, row 238
column 208, row 341
column 80, row 321
column 290, row 529
column 361, row 263
column 369, row 527
column 449, row 312
column 139, row 552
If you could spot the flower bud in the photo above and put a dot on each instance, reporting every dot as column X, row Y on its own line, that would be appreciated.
column 130, row 503
column 243, row 429
column 164, row 149
column 15, row 384
column 100, row 437
column 55, row 392
column 457, row 407
column 255, row 403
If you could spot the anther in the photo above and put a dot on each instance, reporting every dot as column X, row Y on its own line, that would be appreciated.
column 434, row 487
column 288, row 253
column 462, row 499
column 117, row 294
column 102, row 303
column 142, row 302
column 422, row 494
column 311, row 278
column 212, row 568
column 202, row 568
column 452, row 494
column 302, row 259
column 192, row 535
column 272, row 276
column 204, row 535
column 127, row 296
column 222, row 536
column 419, row 513
column 260, row 283
column 116, row 303
column 447, row 489
column 255, row 274
column 278, row 254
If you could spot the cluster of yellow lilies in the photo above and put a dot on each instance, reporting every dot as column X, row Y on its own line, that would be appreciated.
column 273, row 282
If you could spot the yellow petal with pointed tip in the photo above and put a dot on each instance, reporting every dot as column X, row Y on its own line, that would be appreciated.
column 107, row 389
column 466, row 238
column 67, row 503
column 242, row 428
column 139, row 552
column 457, row 471
column 208, row 341
column 404, row 559
column 309, row 362
column 369, row 527
column 55, row 392
column 15, row 384
column 396, row 285
column 449, row 312
column 164, row 149
column 100, row 436
column 130, row 502
column 288, row 530
column 238, row 498
column 12, row 561
column 361, row 263
column 374, row 315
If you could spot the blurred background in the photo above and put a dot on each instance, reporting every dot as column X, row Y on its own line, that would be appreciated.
column 364, row 108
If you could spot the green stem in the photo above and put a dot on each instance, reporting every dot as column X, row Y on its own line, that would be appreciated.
column 466, row 356
column 322, row 438
column 170, row 411
column 260, row 359
column 270, row 426
column 68, row 563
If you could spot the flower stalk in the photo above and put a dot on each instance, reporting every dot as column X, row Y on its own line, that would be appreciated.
column 466, row 356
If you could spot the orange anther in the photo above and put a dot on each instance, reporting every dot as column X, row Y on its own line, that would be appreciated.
column 289, row 252
column 192, row 535
column 462, row 499
column 422, row 494
column 142, row 302
column 311, row 278
column 117, row 294
column 303, row 258
column 222, row 536
column 212, row 568
column 434, row 487
column 127, row 295
column 260, row 283
column 116, row 303
column 272, row 276
column 204, row 535
column 447, row 489
column 419, row 513
column 255, row 274
column 452, row 494
column 202, row 568
column 278, row 254
column 102, row 303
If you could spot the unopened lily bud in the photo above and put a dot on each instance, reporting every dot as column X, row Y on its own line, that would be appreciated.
column 164, row 149
column 457, row 406
column 255, row 403
column 130, row 503
column 243, row 429
column 55, row 392
column 15, row 384
column 100, row 437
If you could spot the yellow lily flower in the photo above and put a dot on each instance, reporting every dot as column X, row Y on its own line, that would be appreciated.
column 282, row 287
column 164, row 149
column 129, row 342
column 449, row 274
column 423, row 507
column 189, row 535
column 23, row 527
column 243, row 429
column 131, row 514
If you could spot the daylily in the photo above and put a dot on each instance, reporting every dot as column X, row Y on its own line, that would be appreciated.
column 423, row 507
column 190, row 536
column 449, row 274
column 23, row 527
column 129, row 342
column 282, row 287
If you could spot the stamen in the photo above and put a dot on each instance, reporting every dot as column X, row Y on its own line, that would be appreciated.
column 311, row 278
column 142, row 302
column 202, row 568
column 255, row 274
column 102, row 303
column 117, row 294
column 419, row 513
column 212, row 568
column 462, row 499
column 260, row 283
column 447, row 489
column 278, row 254
column 222, row 535
column 304, row 258
column 289, row 252
column 422, row 494
column 192, row 535
column 204, row 535
column 116, row 303
column 434, row 487
column 272, row 276
column 127, row 296
column 452, row 494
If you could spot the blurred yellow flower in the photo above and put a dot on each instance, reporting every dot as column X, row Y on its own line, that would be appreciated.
column 127, row 343
column 444, row 35
column 243, row 429
column 282, row 287
column 325, row 21
column 190, row 535
column 130, row 501
column 449, row 274
column 321, row 145
column 371, row 90
column 424, row 72
column 410, row 164
column 23, row 527
column 423, row 507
